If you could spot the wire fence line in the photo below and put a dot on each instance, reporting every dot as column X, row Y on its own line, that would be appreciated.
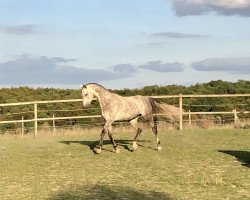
column 188, row 115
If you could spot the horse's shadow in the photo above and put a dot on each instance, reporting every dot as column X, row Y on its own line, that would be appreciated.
column 242, row 156
column 126, row 144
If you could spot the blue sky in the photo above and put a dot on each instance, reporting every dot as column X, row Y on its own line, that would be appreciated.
column 123, row 44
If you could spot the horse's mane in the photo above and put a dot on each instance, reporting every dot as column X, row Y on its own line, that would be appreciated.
column 98, row 85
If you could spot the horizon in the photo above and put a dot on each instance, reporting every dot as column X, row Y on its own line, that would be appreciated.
column 79, row 87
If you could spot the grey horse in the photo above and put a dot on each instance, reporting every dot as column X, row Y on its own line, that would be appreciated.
column 118, row 108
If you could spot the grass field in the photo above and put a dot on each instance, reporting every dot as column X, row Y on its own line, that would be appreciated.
column 196, row 164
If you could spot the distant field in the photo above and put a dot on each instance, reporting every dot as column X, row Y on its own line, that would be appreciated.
column 198, row 164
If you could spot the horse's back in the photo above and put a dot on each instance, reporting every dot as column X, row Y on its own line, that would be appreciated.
column 143, row 105
column 127, row 108
column 140, row 101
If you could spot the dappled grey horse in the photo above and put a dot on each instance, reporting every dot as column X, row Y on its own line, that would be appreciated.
column 117, row 108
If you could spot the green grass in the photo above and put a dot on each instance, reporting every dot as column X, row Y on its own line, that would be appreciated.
column 198, row 164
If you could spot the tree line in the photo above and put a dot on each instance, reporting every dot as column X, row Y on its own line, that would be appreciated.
column 24, row 94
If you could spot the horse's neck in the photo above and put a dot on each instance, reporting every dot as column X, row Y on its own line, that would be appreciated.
column 104, row 96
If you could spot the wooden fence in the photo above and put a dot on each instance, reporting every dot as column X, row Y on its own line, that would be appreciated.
column 180, row 97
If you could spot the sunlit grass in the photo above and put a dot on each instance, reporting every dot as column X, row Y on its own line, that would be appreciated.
column 194, row 164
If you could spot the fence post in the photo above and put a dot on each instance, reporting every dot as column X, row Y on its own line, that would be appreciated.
column 35, row 119
column 54, row 124
column 219, row 118
column 180, row 107
column 236, row 119
column 22, row 126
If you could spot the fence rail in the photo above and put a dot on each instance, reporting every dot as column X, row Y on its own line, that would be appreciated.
column 180, row 97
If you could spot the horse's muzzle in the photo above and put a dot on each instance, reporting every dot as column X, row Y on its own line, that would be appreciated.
column 86, row 105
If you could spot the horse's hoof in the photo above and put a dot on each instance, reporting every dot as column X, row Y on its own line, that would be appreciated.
column 159, row 148
column 97, row 150
column 135, row 146
column 117, row 151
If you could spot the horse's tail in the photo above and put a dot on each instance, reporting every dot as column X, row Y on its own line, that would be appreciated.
column 168, row 111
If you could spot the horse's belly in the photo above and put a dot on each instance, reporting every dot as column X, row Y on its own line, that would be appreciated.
column 127, row 115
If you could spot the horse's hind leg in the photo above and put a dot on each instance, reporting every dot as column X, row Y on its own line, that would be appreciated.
column 155, row 131
column 134, row 123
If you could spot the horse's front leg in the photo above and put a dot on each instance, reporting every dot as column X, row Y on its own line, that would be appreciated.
column 98, row 148
column 109, row 130
column 113, row 142
column 106, row 129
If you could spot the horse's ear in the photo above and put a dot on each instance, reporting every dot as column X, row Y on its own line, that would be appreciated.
column 84, row 86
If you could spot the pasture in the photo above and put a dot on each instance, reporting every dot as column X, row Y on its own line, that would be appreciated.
column 194, row 164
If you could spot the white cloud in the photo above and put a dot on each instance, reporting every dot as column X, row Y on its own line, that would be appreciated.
column 222, row 7
column 28, row 70
column 178, row 35
column 222, row 3
column 23, row 29
column 124, row 68
column 158, row 66
column 235, row 65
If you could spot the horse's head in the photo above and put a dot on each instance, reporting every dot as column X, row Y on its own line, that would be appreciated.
column 87, row 95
